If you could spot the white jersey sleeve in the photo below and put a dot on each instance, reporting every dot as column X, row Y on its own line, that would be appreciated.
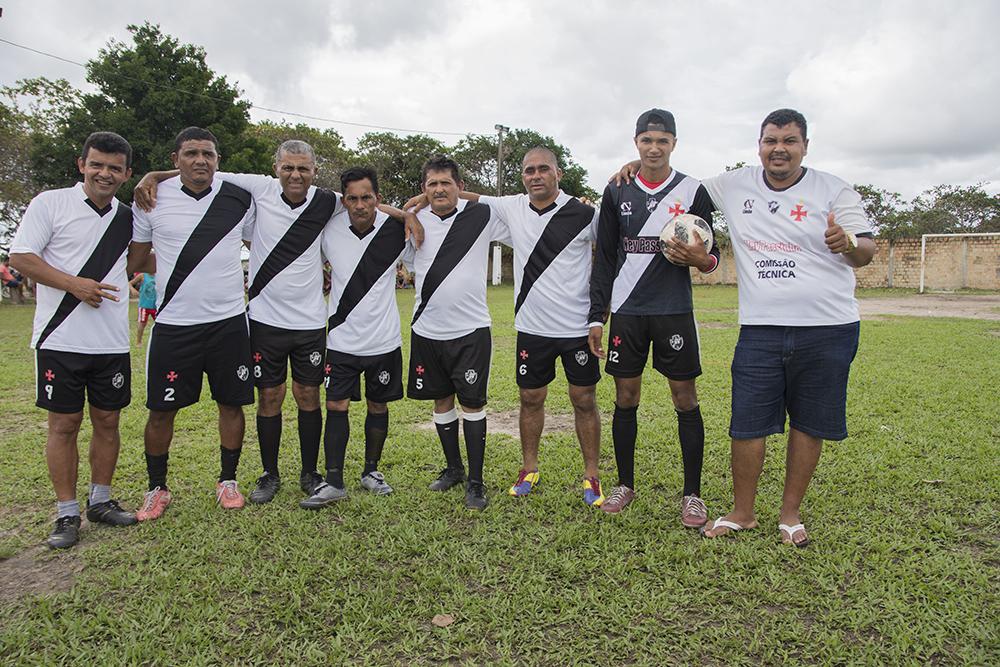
column 35, row 230
column 256, row 184
column 142, row 228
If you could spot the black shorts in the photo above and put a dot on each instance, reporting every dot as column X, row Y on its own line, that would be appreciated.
column 383, row 376
column 536, row 361
column 675, row 345
column 178, row 355
column 62, row 378
column 440, row 368
column 272, row 347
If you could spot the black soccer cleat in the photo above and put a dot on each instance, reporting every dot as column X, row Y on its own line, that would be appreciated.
column 111, row 513
column 267, row 487
column 66, row 533
column 475, row 496
column 309, row 481
column 448, row 478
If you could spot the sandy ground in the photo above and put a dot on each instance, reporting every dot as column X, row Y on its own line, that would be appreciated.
column 973, row 306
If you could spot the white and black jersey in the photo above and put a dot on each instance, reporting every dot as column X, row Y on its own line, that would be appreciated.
column 286, row 272
column 363, row 316
column 69, row 233
column 631, row 276
column 197, row 239
column 451, row 267
column 552, row 262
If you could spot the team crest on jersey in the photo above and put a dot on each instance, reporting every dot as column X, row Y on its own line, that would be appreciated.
column 315, row 358
column 748, row 207
column 626, row 208
column 651, row 204
column 581, row 357
column 118, row 381
column 242, row 373
column 772, row 206
column 383, row 377
column 471, row 376
column 677, row 341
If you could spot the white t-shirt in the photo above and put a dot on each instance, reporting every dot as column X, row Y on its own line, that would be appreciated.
column 786, row 274
column 197, row 240
column 363, row 316
column 69, row 234
column 286, row 272
column 450, row 267
column 553, row 256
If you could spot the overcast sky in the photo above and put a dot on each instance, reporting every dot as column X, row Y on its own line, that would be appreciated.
column 903, row 95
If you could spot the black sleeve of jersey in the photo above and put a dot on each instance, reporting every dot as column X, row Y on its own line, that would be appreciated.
column 703, row 207
column 605, row 259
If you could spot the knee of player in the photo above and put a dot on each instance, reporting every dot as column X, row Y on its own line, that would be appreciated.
column 584, row 399
column 533, row 399
column 339, row 406
column 684, row 400
column 271, row 398
column 65, row 424
column 306, row 397
column 377, row 408
column 105, row 420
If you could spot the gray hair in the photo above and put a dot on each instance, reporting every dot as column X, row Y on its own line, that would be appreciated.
column 294, row 147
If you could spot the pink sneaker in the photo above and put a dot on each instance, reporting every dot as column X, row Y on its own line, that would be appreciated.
column 620, row 498
column 693, row 512
column 154, row 505
column 228, row 495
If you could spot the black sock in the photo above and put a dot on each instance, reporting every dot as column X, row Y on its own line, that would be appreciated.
column 691, row 431
column 230, row 459
column 156, row 468
column 376, row 429
column 623, row 431
column 475, row 446
column 310, row 432
column 448, row 433
column 338, row 432
column 269, row 435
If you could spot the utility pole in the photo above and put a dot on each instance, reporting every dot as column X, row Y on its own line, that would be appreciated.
column 501, row 129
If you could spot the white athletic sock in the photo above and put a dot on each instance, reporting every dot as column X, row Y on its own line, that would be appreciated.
column 99, row 493
column 67, row 508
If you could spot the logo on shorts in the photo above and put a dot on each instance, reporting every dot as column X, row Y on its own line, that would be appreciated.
column 471, row 376
column 383, row 377
column 677, row 341
column 242, row 373
column 117, row 381
column 315, row 358
column 581, row 357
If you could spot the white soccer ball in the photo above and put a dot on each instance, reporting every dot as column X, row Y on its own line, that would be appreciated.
column 682, row 228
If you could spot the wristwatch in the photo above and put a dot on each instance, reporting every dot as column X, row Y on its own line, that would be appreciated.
column 852, row 243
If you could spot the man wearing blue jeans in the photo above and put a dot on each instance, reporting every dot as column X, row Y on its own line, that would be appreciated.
column 797, row 235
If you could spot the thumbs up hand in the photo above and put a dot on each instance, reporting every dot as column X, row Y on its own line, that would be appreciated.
column 837, row 240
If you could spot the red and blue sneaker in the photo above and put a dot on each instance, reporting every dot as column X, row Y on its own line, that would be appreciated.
column 592, row 494
column 525, row 482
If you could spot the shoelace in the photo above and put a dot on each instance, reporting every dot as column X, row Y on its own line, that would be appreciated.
column 150, row 498
column 228, row 488
column 617, row 495
column 695, row 505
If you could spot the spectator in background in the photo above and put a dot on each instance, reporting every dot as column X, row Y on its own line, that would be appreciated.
column 146, row 283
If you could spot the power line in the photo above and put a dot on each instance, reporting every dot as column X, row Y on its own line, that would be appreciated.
column 192, row 93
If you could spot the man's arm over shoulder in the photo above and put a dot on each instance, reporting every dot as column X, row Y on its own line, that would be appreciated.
column 256, row 184
column 605, row 255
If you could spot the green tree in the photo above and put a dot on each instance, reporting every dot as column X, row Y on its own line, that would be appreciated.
column 148, row 91
column 31, row 111
column 478, row 156
column 886, row 210
column 952, row 209
column 397, row 160
column 332, row 156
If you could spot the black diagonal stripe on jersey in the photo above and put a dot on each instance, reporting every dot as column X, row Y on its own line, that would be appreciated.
column 299, row 238
column 564, row 226
column 223, row 214
column 382, row 252
column 109, row 249
column 466, row 228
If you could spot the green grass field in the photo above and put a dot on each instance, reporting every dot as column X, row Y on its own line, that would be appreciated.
column 904, row 566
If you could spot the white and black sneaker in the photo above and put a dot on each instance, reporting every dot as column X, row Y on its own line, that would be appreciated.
column 375, row 482
column 310, row 481
column 325, row 495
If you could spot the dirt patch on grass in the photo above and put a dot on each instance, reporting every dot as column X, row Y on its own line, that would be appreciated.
column 715, row 325
column 970, row 306
column 506, row 423
column 38, row 571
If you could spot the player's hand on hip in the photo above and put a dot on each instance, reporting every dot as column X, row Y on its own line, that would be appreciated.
column 92, row 292
column 595, row 341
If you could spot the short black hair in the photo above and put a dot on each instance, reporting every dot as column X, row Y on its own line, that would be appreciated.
column 783, row 117
column 440, row 163
column 358, row 174
column 108, row 142
column 194, row 134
